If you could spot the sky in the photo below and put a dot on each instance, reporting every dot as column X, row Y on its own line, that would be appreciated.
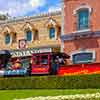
column 17, row 8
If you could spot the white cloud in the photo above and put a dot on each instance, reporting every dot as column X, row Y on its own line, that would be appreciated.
column 20, row 7
column 17, row 8
column 37, row 3
column 52, row 9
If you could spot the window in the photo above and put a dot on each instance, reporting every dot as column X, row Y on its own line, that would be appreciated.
column 44, row 59
column 83, row 19
column 37, row 60
column 36, row 35
column 40, row 59
column 7, row 38
column 59, row 32
column 14, row 38
column 84, row 57
column 29, row 36
column 52, row 32
column 25, row 62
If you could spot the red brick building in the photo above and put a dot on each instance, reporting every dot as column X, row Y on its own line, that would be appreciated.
column 81, row 30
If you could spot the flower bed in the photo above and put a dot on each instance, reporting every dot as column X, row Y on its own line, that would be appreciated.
column 95, row 96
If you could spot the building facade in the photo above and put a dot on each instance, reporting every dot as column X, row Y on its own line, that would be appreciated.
column 81, row 31
column 25, row 36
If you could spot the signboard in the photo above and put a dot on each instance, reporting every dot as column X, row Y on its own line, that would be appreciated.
column 29, row 52
column 15, row 72
column 22, row 44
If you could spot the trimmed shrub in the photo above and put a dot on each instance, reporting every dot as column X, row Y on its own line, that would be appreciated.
column 51, row 82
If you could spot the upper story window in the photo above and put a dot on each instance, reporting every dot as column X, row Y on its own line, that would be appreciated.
column 52, row 32
column 83, row 14
column 36, row 35
column 14, row 38
column 29, row 36
column 58, row 32
column 7, row 38
column 83, row 57
column 83, row 19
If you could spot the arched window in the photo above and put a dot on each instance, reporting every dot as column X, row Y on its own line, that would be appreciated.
column 83, row 57
column 83, row 19
column 36, row 35
column 14, row 38
column 52, row 32
column 58, row 32
column 29, row 36
column 7, row 38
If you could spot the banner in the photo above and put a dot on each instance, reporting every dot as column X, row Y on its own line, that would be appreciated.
column 29, row 52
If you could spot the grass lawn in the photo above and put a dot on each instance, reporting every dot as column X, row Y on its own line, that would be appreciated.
column 11, row 94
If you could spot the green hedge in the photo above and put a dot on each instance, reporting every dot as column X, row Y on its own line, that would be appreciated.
column 51, row 82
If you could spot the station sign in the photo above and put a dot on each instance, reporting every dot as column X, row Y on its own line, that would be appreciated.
column 29, row 52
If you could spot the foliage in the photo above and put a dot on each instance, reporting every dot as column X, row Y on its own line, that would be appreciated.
column 51, row 82
column 3, row 17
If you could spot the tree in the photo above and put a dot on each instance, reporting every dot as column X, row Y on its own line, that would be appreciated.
column 3, row 16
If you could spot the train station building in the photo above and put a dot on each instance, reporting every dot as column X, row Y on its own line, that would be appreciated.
column 28, row 35
column 81, row 30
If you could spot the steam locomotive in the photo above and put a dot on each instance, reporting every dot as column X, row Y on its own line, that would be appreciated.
column 41, row 64
column 48, row 63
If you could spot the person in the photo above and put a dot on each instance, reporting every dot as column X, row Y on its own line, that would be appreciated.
column 55, row 67
column 29, row 69
column 17, row 65
column 60, row 60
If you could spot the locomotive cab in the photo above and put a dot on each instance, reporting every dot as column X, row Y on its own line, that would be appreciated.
column 47, row 63
column 4, row 58
column 40, row 63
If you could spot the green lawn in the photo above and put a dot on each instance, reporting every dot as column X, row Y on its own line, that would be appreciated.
column 11, row 94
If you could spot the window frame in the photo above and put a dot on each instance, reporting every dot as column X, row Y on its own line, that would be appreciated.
column 86, row 51
column 79, row 27
column 50, row 33
column 82, row 7
column 9, row 40
column 36, row 35
column 31, row 35
column 14, row 39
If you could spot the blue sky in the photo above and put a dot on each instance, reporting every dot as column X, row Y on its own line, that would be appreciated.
column 16, row 8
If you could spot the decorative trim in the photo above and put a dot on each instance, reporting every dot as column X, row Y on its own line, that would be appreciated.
column 27, row 26
column 82, row 7
column 81, row 31
column 27, row 18
column 51, row 22
column 6, row 30
column 73, row 36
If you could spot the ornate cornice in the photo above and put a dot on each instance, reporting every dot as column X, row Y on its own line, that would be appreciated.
column 76, row 36
column 34, row 17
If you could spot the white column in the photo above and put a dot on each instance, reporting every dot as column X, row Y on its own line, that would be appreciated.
column 62, row 26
